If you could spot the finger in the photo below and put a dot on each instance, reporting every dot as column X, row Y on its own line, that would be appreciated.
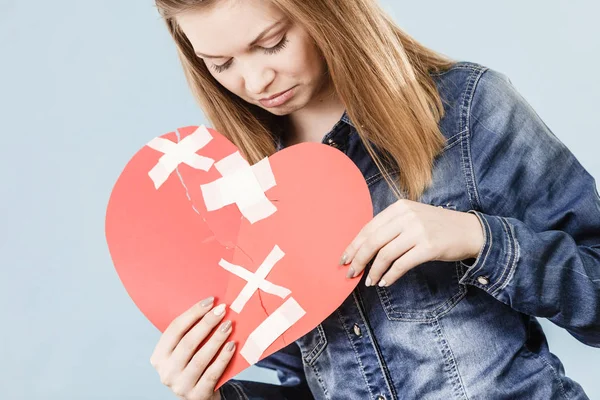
column 188, row 345
column 208, row 381
column 372, row 245
column 202, row 357
column 211, row 347
column 177, row 328
column 409, row 260
column 387, row 255
column 385, row 216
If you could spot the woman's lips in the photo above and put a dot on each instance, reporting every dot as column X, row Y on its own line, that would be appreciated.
column 279, row 100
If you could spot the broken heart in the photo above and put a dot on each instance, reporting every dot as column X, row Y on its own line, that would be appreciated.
column 189, row 218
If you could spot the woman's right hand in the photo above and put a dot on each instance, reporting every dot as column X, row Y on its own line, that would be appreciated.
column 184, row 366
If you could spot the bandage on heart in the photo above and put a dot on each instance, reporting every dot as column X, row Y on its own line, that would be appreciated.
column 264, row 239
column 275, row 324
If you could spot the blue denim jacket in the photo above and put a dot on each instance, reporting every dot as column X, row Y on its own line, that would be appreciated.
column 466, row 330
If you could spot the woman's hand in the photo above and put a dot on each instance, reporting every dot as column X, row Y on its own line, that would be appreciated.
column 184, row 366
column 409, row 233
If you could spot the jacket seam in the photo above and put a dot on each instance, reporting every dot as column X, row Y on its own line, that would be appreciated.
column 357, row 356
column 320, row 380
column 378, row 176
column 548, row 365
column 493, row 289
column 380, row 360
column 516, row 257
column 457, row 65
column 450, row 362
column 239, row 391
column 465, row 126
column 490, row 239
column 319, row 347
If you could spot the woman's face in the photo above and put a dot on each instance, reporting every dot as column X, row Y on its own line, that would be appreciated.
column 282, row 58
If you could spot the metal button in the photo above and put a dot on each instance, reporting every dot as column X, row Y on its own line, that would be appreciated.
column 332, row 143
column 483, row 280
column 357, row 330
column 380, row 397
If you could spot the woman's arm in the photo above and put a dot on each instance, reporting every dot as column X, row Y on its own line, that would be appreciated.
column 540, row 211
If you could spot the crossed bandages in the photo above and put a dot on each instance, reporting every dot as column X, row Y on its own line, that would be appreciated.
column 241, row 183
column 245, row 186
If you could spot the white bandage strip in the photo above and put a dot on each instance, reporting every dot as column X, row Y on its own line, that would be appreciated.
column 270, row 329
column 243, row 185
column 177, row 153
column 256, row 281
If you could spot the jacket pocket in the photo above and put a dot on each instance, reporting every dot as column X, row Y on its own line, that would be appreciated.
column 425, row 292
column 312, row 344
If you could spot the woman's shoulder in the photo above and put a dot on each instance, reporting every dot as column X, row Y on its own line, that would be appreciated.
column 468, row 76
column 469, row 79
column 469, row 89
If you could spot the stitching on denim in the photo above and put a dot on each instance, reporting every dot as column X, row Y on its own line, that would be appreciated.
column 463, row 165
column 239, row 390
column 508, row 246
column 357, row 356
column 319, row 347
column 382, row 365
column 378, row 176
column 321, row 381
column 465, row 118
column 508, row 257
column 452, row 141
column 515, row 258
column 546, row 363
column 450, row 362
column 457, row 65
column 489, row 249
column 485, row 239
column 411, row 315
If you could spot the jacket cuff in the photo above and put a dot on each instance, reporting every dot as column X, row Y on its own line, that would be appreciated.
column 495, row 264
column 232, row 390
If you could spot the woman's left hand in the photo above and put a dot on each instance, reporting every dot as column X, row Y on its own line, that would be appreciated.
column 409, row 233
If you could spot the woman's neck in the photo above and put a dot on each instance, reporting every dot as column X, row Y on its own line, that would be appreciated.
column 313, row 121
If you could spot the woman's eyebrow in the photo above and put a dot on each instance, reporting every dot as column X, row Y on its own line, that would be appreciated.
column 258, row 38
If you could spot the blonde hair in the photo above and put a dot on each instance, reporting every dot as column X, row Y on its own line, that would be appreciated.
column 381, row 74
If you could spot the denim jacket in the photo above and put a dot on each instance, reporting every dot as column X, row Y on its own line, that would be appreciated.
column 466, row 329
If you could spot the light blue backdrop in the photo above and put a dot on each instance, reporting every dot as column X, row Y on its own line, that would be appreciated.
column 85, row 84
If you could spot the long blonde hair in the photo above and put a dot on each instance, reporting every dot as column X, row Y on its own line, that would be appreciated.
column 381, row 74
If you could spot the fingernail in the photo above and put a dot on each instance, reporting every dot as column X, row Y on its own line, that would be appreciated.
column 382, row 283
column 207, row 302
column 350, row 273
column 229, row 346
column 220, row 309
column 225, row 326
column 368, row 281
column 344, row 259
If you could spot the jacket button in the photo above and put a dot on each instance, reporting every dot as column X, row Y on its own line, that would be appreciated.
column 483, row 280
column 332, row 143
column 357, row 330
column 380, row 397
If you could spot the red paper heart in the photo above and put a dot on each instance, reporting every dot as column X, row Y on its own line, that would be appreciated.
column 166, row 247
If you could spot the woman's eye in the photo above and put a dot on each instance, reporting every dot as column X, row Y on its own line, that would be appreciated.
column 271, row 50
column 278, row 46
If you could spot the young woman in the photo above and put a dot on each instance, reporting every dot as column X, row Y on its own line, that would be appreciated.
column 483, row 221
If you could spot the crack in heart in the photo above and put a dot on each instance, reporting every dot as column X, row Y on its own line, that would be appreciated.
column 187, row 193
column 214, row 236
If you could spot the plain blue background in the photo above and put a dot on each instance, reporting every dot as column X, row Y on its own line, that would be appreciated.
column 85, row 84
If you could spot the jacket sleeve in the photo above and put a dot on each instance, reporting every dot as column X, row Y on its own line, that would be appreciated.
column 539, row 209
column 290, row 371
